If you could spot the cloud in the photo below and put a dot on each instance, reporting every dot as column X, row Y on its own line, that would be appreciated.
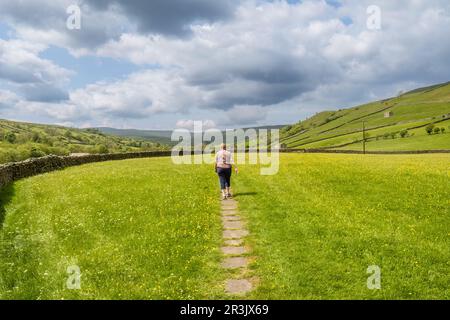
column 8, row 99
column 36, row 79
column 103, row 20
column 171, row 18
column 45, row 22
column 241, row 61
column 140, row 95
column 245, row 115
column 191, row 125
column 265, row 65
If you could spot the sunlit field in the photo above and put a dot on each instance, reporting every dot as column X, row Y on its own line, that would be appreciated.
column 148, row 229
column 137, row 229
column 324, row 219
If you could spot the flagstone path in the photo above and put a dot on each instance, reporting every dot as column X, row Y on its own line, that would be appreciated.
column 234, row 250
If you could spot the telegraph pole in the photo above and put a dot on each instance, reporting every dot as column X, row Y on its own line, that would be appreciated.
column 364, row 137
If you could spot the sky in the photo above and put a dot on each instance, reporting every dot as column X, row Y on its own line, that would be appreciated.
column 162, row 64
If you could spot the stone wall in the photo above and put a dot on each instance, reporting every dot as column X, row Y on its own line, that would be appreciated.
column 361, row 152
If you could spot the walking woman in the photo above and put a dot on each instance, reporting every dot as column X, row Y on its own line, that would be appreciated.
column 223, row 166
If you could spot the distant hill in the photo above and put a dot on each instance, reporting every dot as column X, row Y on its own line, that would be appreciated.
column 155, row 136
column 161, row 136
column 20, row 141
column 394, row 124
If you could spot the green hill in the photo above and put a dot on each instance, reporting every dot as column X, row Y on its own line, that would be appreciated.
column 162, row 136
column 20, row 141
column 156, row 136
column 394, row 124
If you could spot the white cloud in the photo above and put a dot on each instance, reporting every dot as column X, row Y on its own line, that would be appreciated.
column 191, row 125
column 270, row 56
column 8, row 99
column 35, row 78
column 245, row 115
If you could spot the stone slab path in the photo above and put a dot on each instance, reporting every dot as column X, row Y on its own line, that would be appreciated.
column 234, row 250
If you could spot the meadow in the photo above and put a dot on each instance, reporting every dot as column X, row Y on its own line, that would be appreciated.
column 147, row 229
column 319, row 224
column 137, row 229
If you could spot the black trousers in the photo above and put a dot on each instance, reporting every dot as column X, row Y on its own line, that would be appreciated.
column 224, row 177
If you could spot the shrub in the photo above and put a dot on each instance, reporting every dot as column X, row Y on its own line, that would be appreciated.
column 102, row 149
column 437, row 130
column 36, row 153
column 386, row 135
column 442, row 130
column 36, row 137
column 10, row 137
column 68, row 134
column 403, row 133
column 393, row 135
column 429, row 128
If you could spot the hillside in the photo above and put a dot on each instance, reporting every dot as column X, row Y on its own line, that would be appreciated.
column 156, row 136
column 20, row 141
column 162, row 136
column 394, row 124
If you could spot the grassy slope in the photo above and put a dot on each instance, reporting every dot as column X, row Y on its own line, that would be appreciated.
column 159, row 136
column 48, row 139
column 163, row 136
column 419, row 141
column 417, row 108
column 141, row 229
column 324, row 219
column 148, row 229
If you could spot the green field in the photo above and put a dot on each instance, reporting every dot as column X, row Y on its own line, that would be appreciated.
column 411, row 112
column 137, row 229
column 148, row 229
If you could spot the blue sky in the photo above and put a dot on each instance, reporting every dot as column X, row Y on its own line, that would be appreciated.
column 89, row 69
column 161, row 64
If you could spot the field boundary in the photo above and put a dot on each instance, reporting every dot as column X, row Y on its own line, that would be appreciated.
column 11, row 172
column 362, row 152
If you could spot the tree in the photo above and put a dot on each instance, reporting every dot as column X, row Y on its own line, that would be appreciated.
column 102, row 149
column 10, row 137
column 36, row 137
column 68, row 134
column 36, row 153
column 429, row 129
column 403, row 133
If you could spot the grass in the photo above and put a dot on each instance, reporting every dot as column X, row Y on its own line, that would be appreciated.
column 417, row 139
column 319, row 223
column 146, row 229
column 422, row 142
column 332, row 129
column 138, row 229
